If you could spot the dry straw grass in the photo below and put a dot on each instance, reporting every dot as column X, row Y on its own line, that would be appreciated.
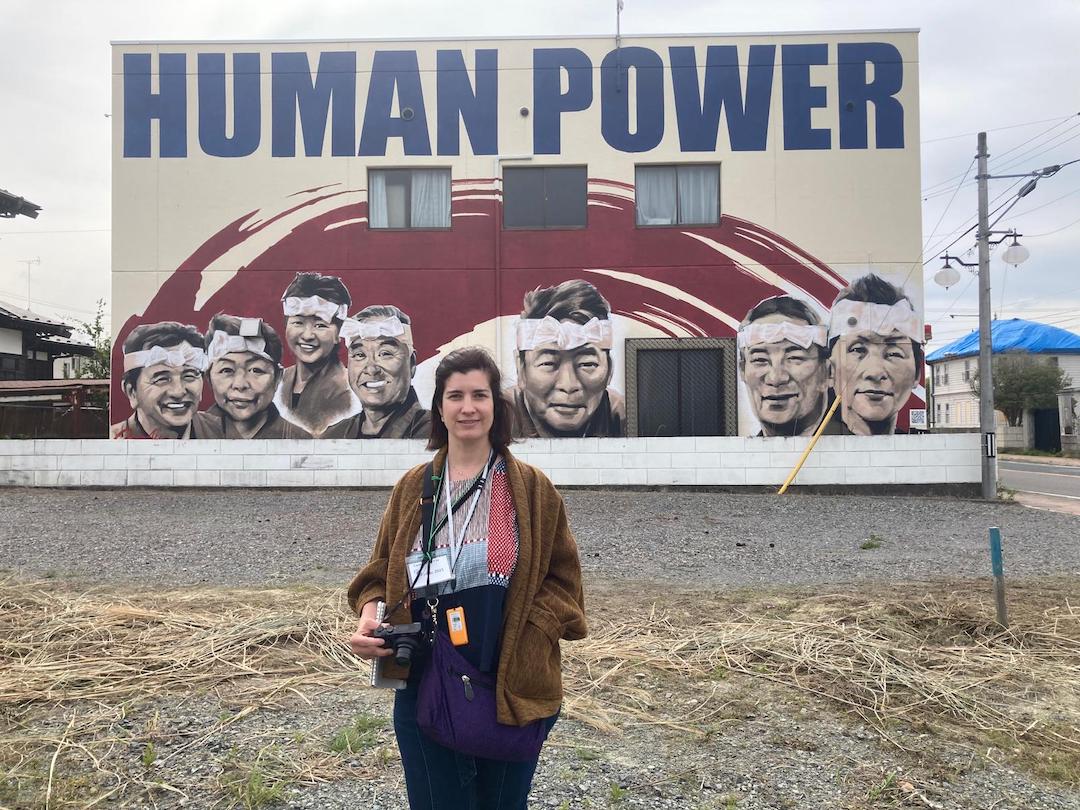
column 933, row 659
column 98, row 655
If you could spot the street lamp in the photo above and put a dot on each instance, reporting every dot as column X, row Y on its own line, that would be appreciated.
column 12, row 206
column 1015, row 254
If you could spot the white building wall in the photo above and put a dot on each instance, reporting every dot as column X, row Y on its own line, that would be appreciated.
column 1070, row 364
column 701, row 461
column 11, row 341
column 952, row 388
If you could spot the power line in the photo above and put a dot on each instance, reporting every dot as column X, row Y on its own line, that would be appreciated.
column 53, row 305
column 1031, row 154
column 1036, row 137
column 947, row 207
column 1050, row 233
column 1055, row 200
column 999, row 129
column 1022, row 143
column 937, row 250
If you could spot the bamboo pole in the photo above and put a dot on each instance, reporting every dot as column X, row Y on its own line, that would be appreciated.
column 809, row 447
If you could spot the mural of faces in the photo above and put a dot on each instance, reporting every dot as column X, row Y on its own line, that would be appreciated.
column 786, row 376
column 243, row 385
column 873, row 355
column 380, row 371
column 873, row 375
column 564, row 364
column 165, row 397
column 875, row 339
column 310, row 338
column 563, row 388
column 163, row 380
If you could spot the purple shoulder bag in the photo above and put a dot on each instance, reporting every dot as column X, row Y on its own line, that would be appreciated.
column 456, row 701
column 456, row 709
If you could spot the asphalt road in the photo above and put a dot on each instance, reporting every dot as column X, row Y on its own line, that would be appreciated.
column 1040, row 478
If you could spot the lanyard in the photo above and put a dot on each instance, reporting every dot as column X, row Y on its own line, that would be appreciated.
column 458, row 541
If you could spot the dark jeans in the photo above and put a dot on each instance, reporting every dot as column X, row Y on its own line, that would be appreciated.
column 440, row 779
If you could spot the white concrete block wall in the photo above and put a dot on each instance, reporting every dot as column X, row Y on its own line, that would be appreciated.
column 702, row 461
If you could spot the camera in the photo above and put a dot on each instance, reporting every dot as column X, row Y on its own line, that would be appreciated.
column 405, row 639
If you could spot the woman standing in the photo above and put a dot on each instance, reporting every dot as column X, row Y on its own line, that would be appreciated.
column 502, row 566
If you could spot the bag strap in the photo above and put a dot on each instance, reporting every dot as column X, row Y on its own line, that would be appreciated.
column 427, row 506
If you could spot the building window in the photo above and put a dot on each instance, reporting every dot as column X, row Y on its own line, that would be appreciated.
column 681, row 387
column 946, row 413
column 967, row 370
column 545, row 197
column 937, row 412
column 687, row 194
column 409, row 198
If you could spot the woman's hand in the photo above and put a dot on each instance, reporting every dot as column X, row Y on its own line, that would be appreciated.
column 361, row 642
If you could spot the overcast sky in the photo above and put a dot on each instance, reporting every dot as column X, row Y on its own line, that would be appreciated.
column 1002, row 67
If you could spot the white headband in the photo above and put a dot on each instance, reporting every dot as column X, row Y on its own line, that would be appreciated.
column 176, row 356
column 860, row 316
column 314, row 305
column 371, row 328
column 801, row 334
column 222, row 343
column 532, row 333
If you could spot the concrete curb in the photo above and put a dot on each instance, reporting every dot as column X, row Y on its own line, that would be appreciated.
column 1054, row 460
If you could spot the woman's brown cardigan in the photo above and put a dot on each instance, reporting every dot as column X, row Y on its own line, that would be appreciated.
column 544, row 603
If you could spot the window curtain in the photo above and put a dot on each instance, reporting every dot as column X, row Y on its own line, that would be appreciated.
column 699, row 195
column 377, row 200
column 655, row 192
column 430, row 198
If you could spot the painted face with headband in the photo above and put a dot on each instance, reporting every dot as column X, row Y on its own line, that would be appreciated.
column 164, row 385
column 243, row 374
column 786, row 376
column 310, row 328
column 564, row 368
column 874, row 361
column 381, row 359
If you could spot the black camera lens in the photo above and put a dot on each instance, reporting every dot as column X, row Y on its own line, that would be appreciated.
column 403, row 650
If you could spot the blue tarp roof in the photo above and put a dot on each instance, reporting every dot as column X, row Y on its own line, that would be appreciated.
column 1013, row 335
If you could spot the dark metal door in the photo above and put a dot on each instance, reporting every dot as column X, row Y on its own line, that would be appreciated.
column 1047, row 430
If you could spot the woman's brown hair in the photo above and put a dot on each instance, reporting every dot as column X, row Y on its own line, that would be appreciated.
column 462, row 361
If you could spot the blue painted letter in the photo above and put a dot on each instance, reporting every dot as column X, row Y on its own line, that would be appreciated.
column 615, row 99
column 698, row 113
column 247, row 117
column 549, row 102
column 800, row 97
column 478, row 110
column 293, row 89
column 168, row 105
column 855, row 93
column 392, row 69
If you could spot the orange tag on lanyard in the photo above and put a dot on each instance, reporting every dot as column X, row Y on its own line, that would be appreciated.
column 455, row 623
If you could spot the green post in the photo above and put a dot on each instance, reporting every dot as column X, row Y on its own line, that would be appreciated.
column 998, row 568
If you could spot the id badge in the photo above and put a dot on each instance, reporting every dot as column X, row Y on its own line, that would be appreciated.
column 440, row 570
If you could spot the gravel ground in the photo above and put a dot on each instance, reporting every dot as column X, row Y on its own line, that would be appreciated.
column 771, row 748
column 697, row 539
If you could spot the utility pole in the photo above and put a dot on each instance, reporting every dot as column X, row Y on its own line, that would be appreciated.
column 1015, row 254
column 986, row 381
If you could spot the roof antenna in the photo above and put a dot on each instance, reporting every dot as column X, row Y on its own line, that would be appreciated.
column 618, row 45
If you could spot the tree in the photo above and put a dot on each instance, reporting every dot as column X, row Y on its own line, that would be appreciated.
column 1022, row 381
column 97, row 366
